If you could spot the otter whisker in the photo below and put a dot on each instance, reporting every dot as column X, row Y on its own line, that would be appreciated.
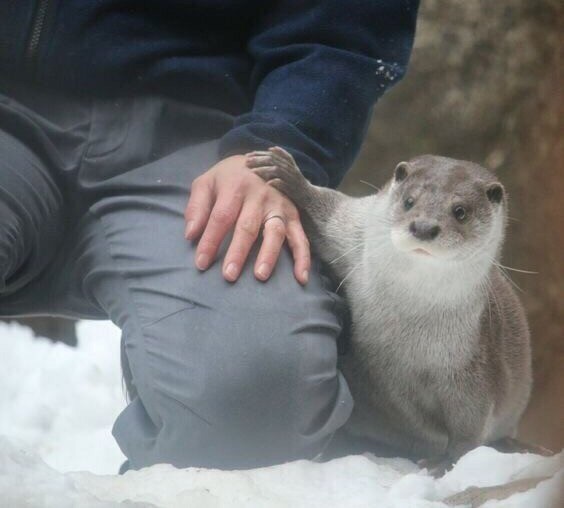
column 515, row 269
column 340, row 237
column 346, row 252
column 347, row 276
column 489, row 303
column 386, row 222
column 370, row 185
column 502, row 270
column 508, row 278
column 491, row 292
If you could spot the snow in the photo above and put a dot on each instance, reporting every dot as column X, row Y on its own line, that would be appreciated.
column 56, row 399
column 57, row 406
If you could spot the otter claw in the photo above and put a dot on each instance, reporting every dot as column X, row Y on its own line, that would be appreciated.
column 256, row 160
column 437, row 466
column 267, row 173
column 255, row 153
column 274, row 156
column 283, row 154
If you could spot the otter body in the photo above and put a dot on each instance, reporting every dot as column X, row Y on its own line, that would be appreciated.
column 439, row 358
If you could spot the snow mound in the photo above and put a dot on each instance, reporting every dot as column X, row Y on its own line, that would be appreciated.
column 356, row 481
column 60, row 401
column 57, row 406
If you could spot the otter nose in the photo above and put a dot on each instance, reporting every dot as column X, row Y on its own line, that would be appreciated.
column 423, row 230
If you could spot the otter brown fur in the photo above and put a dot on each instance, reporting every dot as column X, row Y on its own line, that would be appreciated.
column 439, row 361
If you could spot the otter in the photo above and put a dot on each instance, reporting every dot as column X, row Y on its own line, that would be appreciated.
column 439, row 359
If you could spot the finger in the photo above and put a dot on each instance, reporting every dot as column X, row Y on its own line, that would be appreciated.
column 299, row 245
column 274, row 234
column 221, row 219
column 247, row 229
column 198, row 208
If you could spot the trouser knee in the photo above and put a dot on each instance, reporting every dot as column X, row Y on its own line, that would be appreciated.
column 26, row 248
column 31, row 215
column 256, row 395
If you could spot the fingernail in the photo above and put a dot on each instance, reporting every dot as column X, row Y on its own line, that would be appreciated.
column 189, row 227
column 202, row 261
column 232, row 271
column 305, row 276
column 263, row 271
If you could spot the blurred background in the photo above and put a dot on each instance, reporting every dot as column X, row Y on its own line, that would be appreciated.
column 485, row 84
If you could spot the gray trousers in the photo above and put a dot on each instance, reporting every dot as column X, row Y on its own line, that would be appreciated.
column 92, row 195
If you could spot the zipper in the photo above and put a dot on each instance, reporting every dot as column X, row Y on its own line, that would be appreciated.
column 36, row 29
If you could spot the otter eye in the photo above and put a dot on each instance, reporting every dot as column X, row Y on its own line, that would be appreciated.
column 408, row 203
column 459, row 213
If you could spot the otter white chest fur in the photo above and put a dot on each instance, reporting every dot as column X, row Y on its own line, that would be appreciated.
column 440, row 358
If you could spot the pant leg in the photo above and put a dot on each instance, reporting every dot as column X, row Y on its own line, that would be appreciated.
column 32, row 218
column 225, row 375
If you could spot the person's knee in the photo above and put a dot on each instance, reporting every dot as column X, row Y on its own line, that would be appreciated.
column 30, row 213
column 244, row 393
column 26, row 246
column 285, row 396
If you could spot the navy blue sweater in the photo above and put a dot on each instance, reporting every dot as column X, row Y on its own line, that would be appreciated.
column 303, row 74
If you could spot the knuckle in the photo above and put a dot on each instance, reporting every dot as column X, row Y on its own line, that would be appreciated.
column 248, row 226
column 237, row 188
column 275, row 227
column 302, row 257
column 231, row 200
column 263, row 192
column 237, row 253
column 292, row 212
column 238, row 194
column 223, row 217
column 207, row 245
column 191, row 210
column 298, row 235
column 269, row 255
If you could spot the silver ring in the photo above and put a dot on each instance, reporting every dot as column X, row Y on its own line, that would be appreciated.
column 274, row 217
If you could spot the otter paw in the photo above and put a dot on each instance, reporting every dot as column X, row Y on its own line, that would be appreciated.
column 512, row 445
column 277, row 167
column 437, row 466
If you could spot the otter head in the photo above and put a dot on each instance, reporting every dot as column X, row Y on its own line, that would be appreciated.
column 444, row 208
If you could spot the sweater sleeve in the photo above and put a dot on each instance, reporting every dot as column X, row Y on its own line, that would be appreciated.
column 319, row 67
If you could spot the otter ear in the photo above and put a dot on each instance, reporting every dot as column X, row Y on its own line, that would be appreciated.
column 495, row 192
column 401, row 172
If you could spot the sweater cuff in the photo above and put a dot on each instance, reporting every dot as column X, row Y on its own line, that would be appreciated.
column 259, row 132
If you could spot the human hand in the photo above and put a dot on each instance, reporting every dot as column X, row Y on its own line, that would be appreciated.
column 230, row 195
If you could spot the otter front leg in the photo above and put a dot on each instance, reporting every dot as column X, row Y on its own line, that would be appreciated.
column 325, row 213
column 513, row 445
column 277, row 167
column 440, row 464
column 465, row 413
